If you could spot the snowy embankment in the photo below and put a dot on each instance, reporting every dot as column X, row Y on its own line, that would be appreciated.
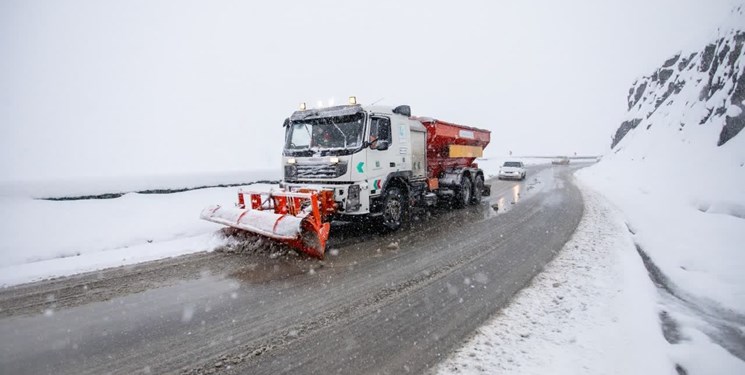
column 696, row 259
column 591, row 311
column 43, row 238
column 657, row 285
column 678, row 174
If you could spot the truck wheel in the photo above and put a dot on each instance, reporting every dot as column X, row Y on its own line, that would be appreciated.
column 478, row 190
column 394, row 209
column 463, row 198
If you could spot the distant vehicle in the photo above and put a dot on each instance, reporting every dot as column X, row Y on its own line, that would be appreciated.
column 560, row 161
column 512, row 170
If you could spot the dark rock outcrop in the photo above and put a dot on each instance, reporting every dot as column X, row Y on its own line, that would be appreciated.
column 625, row 127
column 732, row 126
column 710, row 82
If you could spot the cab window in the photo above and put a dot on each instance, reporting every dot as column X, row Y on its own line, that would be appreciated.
column 380, row 129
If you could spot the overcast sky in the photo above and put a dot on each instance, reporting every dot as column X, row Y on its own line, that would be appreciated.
column 120, row 88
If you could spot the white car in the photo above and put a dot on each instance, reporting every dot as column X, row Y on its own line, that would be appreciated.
column 512, row 170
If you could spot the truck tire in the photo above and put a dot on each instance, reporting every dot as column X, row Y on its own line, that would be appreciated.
column 463, row 198
column 478, row 190
column 394, row 210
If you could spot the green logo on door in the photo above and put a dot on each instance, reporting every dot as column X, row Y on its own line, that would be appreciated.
column 359, row 167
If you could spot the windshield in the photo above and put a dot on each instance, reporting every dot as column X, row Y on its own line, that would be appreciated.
column 326, row 133
column 512, row 164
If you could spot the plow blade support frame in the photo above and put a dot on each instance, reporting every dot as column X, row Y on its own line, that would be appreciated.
column 265, row 223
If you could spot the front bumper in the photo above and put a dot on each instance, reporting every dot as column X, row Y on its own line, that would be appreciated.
column 510, row 175
column 349, row 200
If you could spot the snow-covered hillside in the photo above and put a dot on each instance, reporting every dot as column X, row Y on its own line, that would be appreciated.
column 704, row 88
column 682, row 167
column 677, row 171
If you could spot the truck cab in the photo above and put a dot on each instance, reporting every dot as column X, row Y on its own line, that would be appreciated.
column 355, row 151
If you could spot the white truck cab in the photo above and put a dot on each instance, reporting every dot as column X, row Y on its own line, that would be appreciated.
column 355, row 151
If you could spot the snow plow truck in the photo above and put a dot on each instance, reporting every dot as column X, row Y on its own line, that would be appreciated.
column 351, row 162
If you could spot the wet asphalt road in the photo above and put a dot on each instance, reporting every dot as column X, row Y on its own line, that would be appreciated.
column 382, row 304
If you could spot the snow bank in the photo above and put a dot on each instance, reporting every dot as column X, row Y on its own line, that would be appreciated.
column 42, row 239
column 679, row 182
column 699, row 249
column 592, row 311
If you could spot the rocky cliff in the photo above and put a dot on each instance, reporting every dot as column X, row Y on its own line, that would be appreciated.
column 703, row 88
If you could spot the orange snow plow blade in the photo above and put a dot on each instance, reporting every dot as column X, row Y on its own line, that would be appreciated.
column 298, row 219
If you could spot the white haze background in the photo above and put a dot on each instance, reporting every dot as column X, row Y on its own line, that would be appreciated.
column 98, row 88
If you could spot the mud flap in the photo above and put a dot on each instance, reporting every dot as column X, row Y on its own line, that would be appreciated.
column 486, row 191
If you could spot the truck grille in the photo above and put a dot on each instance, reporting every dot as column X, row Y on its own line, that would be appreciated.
column 315, row 171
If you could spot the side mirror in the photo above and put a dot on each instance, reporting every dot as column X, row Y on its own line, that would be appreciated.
column 381, row 145
column 403, row 110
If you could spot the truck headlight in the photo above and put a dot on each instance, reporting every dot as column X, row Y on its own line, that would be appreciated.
column 341, row 169
column 353, row 198
column 291, row 161
column 290, row 172
column 333, row 160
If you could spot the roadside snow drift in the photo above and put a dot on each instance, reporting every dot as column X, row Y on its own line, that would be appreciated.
column 591, row 311
column 43, row 238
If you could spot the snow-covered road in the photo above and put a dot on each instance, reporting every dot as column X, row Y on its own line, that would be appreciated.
column 603, row 305
column 377, row 304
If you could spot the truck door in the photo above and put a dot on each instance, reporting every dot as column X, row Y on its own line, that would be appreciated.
column 381, row 160
column 418, row 154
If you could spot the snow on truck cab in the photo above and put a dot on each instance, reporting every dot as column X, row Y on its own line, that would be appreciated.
column 352, row 161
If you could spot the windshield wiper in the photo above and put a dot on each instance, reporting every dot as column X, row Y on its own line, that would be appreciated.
column 344, row 136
